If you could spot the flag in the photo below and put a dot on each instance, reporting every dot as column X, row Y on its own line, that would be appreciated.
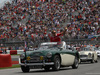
column 25, row 49
column 25, row 46
column 90, row 36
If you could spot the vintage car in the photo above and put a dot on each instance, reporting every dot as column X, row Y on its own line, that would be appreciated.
column 49, row 55
column 88, row 54
column 97, row 49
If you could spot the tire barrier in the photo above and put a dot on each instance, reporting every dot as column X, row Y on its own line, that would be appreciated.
column 5, row 60
column 14, row 52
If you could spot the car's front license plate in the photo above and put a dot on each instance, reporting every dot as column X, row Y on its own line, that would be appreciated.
column 35, row 60
column 35, row 67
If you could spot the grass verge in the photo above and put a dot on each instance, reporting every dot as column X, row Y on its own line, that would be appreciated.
column 15, row 55
column 13, row 66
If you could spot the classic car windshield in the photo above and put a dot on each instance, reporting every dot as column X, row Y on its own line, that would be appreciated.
column 86, row 49
column 97, row 49
column 50, row 45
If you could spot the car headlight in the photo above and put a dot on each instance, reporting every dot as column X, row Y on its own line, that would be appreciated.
column 41, row 57
column 22, row 56
column 28, row 58
column 89, row 55
column 49, row 55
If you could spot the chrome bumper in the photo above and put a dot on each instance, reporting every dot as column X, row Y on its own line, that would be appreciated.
column 85, row 58
column 33, row 64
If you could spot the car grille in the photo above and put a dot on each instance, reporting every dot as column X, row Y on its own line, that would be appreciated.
column 34, row 59
column 83, row 56
column 37, row 59
column 37, row 53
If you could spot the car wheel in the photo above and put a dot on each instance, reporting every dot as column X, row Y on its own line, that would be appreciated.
column 96, row 61
column 76, row 63
column 92, row 61
column 25, row 68
column 47, row 68
column 79, row 61
column 57, row 64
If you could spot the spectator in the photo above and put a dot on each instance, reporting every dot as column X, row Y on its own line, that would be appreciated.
column 33, row 20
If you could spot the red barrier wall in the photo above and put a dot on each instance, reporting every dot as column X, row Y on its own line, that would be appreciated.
column 0, row 52
column 5, row 60
column 12, row 52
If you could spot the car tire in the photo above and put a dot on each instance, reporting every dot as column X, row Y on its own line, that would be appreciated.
column 25, row 68
column 96, row 61
column 57, row 63
column 92, row 61
column 79, row 61
column 76, row 63
column 47, row 68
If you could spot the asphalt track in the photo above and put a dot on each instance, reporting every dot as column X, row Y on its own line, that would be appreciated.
column 84, row 69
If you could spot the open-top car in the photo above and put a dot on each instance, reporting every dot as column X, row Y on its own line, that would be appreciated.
column 88, row 54
column 49, row 55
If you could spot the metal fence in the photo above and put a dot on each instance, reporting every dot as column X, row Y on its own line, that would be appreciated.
column 17, row 44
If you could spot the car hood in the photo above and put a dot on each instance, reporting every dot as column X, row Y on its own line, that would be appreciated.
column 85, row 52
column 40, row 52
column 97, row 50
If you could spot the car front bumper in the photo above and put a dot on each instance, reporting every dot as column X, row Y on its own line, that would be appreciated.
column 85, row 59
column 36, row 64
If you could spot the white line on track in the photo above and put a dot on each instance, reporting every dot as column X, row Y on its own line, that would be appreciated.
column 92, row 73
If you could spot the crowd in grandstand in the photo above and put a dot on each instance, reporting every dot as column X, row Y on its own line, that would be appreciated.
column 34, row 20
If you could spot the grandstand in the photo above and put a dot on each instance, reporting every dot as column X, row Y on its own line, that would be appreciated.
column 32, row 20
